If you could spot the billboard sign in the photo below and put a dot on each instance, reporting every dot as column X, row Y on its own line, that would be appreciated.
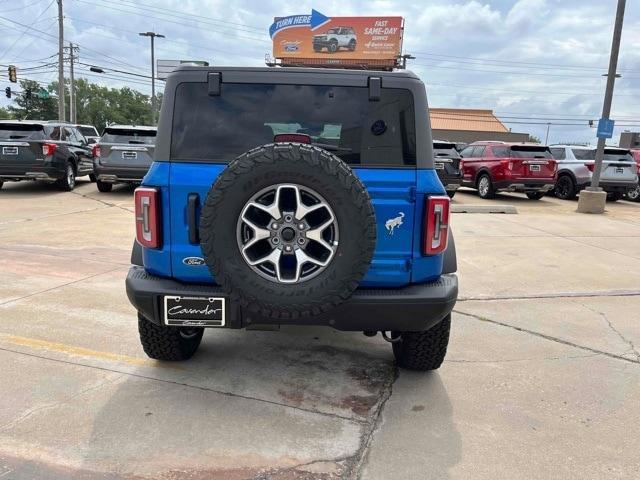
column 165, row 67
column 340, row 41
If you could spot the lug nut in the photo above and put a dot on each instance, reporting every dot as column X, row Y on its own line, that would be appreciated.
column 275, row 240
column 288, row 218
column 301, row 226
column 301, row 241
column 287, row 248
column 274, row 225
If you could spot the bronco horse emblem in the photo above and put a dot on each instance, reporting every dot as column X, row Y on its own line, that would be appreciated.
column 394, row 223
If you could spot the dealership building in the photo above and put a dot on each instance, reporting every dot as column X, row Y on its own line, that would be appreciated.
column 462, row 125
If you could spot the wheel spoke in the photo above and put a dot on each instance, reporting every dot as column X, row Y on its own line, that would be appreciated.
column 258, row 233
column 301, row 209
column 316, row 234
column 272, row 209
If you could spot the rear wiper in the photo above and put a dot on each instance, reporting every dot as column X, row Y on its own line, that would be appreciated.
column 17, row 136
column 137, row 142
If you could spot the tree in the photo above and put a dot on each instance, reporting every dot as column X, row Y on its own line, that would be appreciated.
column 5, row 114
column 34, row 108
column 534, row 139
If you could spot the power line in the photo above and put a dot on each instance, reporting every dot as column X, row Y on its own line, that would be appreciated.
column 511, row 62
column 508, row 90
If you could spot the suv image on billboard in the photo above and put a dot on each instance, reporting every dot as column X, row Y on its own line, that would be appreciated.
column 334, row 39
column 260, row 211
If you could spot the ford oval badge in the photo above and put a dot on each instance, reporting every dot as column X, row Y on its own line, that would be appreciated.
column 193, row 261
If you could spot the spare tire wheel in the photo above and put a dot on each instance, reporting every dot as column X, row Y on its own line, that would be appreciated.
column 288, row 230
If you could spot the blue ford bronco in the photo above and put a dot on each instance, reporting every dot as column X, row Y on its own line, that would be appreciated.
column 293, row 196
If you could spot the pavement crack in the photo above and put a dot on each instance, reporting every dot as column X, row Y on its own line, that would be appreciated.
column 103, row 202
column 187, row 385
column 603, row 293
column 532, row 359
column 32, row 411
column 58, row 286
column 548, row 337
column 632, row 347
column 357, row 461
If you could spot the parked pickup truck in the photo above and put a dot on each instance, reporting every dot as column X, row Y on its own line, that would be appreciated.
column 123, row 155
column 41, row 150
column 576, row 164
column 490, row 167
column 258, row 213
column 447, row 163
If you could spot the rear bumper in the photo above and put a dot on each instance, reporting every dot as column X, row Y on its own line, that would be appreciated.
column 622, row 187
column 31, row 172
column 451, row 182
column 109, row 174
column 412, row 308
column 525, row 185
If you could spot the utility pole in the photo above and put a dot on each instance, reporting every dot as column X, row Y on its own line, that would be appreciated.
column 153, row 36
column 72, row 85
column 546, row 138
column 60, row 63
column 595, row 198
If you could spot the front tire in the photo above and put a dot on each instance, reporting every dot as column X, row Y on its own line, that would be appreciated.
column 352, row 45
column 485, row 187
column 103, row 186
column 423, row 351
column 535, row 195
column 168, row 343
column 68, row 182
column 333, row 46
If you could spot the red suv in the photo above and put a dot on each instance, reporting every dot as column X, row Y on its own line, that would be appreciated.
column 512, row 167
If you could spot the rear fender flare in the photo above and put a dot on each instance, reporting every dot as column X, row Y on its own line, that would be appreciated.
column 450, row 260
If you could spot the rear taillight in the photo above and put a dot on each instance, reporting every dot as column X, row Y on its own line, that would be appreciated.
column 49, row 149
column 436, row 225
column 95, row 151
column 590, row 166
column 147, row 208
column 507, row 164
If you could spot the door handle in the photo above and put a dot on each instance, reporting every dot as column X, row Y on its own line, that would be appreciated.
column 193, row 203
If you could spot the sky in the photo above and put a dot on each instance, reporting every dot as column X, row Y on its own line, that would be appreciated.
column 533, row 62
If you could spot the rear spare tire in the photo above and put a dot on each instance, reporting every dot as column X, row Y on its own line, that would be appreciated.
column 288, row 230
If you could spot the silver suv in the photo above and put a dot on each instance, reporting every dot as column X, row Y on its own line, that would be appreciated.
column 576, row 165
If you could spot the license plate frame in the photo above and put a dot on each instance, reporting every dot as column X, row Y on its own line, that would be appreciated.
column 194, row 311
column 439, row 165
column 10, row 150
column 534, row 168
column 129, row 155
column 619, row 171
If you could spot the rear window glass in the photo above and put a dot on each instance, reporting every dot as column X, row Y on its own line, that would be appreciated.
column 445, row 150
column 88, row 131
column 616, row 155
column 21, row 132
column 341, row 120
column 530, row 152
column 500, row 151
column 583, row 154
column 122, row 135
column 558, row 153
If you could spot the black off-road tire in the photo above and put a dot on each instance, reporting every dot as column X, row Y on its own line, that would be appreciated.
column 68, row 182
column 305, row 165
column 104, row 186
column 422, row 351
column 333, row 46
column 168, row 343
column 535, row 195
column 352, row 46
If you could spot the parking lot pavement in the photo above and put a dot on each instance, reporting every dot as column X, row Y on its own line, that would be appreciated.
column 541, row 379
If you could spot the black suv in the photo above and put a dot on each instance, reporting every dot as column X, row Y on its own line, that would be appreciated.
column 447, row 162
column 40, row 150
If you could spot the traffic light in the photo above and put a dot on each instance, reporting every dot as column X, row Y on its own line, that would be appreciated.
column 13, row 76
column 7, row 92
column 27, row 94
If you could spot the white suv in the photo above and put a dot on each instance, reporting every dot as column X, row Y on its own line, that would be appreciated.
column 576, row 164
column 334, row 39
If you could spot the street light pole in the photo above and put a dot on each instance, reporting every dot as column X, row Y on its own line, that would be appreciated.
column 153, row 36
column 593, row 199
